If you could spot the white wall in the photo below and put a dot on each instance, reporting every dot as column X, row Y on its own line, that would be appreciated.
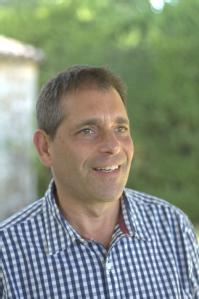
column 18, row 84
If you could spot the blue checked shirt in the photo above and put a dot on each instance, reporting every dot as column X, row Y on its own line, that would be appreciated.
column 43, row 257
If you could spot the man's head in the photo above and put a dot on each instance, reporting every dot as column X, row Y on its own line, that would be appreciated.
column 49, row 105
column 84, row 134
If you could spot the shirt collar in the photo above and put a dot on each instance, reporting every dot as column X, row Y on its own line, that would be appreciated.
column 133, row 217
column 60, row 234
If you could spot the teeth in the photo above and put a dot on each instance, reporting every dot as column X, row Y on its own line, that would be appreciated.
column 108, row 169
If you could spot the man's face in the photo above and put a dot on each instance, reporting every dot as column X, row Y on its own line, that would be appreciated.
column 92, row 150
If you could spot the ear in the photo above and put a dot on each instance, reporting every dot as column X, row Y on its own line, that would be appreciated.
column 42, row 143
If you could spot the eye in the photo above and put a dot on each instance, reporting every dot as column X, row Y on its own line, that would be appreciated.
column 122, row 129
column 87, row 131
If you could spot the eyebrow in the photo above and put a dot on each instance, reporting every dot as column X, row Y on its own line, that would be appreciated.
column 97, row 121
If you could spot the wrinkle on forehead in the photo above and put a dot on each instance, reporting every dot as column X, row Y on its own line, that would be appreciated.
column 98, row 121
column 94, row 103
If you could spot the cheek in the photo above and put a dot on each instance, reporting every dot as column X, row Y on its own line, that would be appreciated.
column 72, row 159
column 129, row 146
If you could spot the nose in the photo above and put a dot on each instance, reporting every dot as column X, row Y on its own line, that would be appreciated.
column 110, row 144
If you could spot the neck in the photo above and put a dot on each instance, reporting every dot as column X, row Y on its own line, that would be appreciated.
column 95, row 222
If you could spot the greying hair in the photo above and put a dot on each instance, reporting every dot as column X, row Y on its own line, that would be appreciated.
column 48, row 108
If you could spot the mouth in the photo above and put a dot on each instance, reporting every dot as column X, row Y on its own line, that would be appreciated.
column 107, row 169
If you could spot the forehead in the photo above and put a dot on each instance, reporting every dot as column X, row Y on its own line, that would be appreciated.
column 83, row 102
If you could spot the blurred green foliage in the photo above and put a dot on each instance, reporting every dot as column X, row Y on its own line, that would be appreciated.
column 156, row 54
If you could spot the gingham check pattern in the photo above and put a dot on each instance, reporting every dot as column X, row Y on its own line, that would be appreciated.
column 43, row 257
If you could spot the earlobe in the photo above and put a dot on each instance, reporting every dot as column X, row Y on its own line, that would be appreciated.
column 42, row 143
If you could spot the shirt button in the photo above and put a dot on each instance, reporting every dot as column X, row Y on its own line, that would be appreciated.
column 108, row 266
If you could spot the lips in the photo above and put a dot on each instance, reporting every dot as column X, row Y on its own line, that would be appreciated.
column 107, row 169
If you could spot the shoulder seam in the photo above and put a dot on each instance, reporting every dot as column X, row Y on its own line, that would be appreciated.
column 153, row 200
column 22, row 216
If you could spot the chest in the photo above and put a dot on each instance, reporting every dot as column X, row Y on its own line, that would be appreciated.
column 131, row 269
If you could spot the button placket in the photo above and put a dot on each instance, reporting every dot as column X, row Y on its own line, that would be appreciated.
column 108, row 265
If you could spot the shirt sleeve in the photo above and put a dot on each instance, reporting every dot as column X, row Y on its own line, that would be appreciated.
column 1, row 283
column 2, row 288
column 1, row 274
column 192, row 248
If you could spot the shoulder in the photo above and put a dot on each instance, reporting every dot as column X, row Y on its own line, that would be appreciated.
column 148, row 201
column 22, row 230
column 157, row 211
column 23, row 217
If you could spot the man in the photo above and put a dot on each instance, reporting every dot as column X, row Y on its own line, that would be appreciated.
column 89, row 237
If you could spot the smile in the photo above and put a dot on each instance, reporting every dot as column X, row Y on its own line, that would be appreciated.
column 107, row 169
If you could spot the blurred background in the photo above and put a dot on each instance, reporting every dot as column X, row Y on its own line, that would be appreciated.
column 154, row 47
